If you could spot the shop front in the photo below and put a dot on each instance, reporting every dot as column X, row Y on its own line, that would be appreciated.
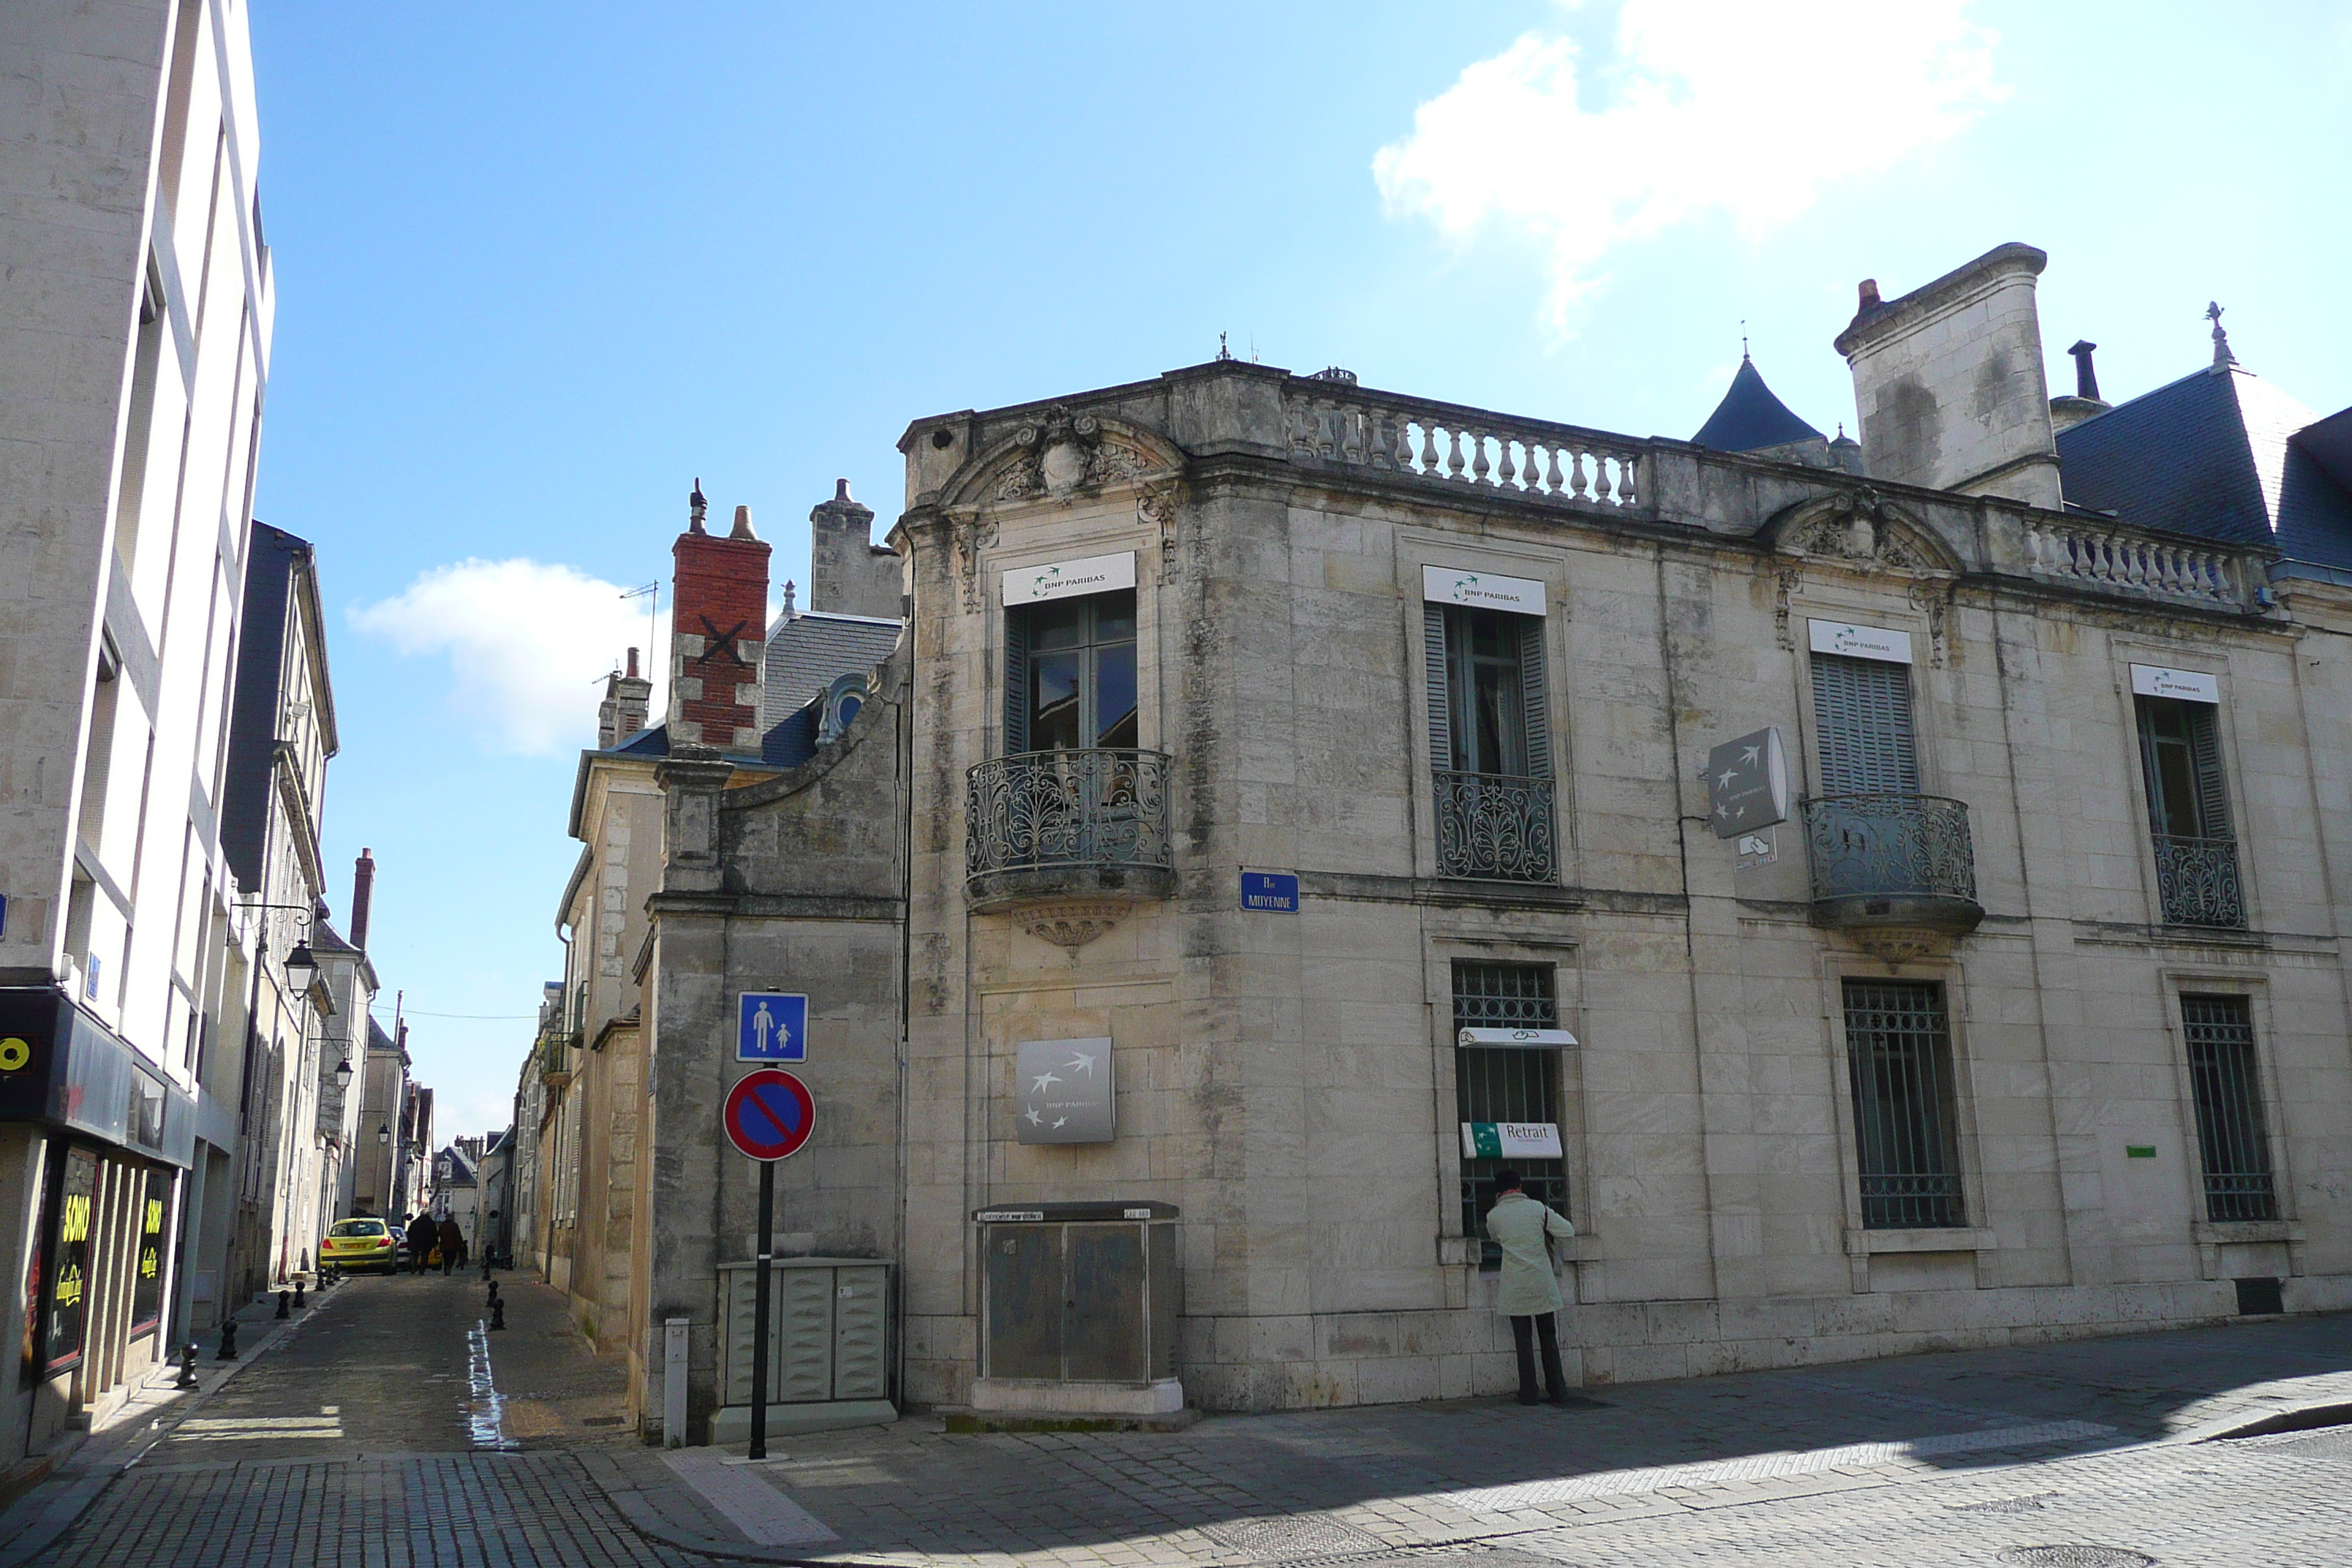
column 94, row 1141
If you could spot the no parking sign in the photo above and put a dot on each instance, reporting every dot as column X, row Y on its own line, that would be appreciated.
column 770, row 1114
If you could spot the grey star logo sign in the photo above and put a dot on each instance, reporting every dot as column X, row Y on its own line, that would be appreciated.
column 1034, row 1118
column 1043, row 1080
column 1749, row 755
column 1081, row 1062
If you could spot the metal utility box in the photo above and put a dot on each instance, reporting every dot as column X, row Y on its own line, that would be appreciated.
column 1079, row 1293
column 828, row 1344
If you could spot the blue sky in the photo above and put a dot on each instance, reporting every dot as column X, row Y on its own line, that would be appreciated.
column 540, row 265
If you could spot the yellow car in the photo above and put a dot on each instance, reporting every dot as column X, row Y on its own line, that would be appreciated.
column 360, row 1243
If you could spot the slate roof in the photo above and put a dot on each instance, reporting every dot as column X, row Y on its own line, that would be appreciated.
column 2223, row 454
column 1750, row 417
column 807, row 651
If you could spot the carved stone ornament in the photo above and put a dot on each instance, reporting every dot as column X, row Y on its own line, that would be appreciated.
column 1896, row 946
column 973, row 535
column 1857, row 526
column 1064, row 453
column 1073, row 924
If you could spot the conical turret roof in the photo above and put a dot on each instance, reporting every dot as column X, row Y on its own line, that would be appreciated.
column 1751, row 419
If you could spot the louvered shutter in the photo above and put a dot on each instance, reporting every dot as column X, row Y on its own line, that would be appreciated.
column 2205, row 751
column 1535, row 711
column 1441, row 724
column 1861, row 708
column 1017, row 682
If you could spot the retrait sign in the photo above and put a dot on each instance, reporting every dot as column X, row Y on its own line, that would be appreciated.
column 1064, row 1092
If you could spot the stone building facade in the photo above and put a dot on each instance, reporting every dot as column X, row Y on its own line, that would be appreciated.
column 2029, row 1020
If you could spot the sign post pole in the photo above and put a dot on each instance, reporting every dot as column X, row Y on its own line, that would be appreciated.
column 758, row 1449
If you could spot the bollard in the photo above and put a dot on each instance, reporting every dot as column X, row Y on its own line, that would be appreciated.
column 491, row 1299
column 228, row 1341
column 299, row 1302
column 497, row 1313
column 187, row 1378
column 285, row 1305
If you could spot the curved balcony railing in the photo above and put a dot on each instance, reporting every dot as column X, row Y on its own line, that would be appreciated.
column 1893, row 859
column 2196, row 880
column 1496, row 826
column 1103, row 809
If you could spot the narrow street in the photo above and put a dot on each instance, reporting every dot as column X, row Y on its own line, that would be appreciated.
column 394, row 1430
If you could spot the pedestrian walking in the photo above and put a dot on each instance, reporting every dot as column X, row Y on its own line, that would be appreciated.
column 1528, row 1294
column 424, row 1236
column 452, row 1239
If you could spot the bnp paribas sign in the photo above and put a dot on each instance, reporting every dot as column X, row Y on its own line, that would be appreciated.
column 1481, row 590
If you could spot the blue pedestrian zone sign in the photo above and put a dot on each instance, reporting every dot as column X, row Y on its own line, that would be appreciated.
column 771, row 1027
column 1274, row 890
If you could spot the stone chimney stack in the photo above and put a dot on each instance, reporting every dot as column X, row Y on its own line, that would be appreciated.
column 848, row 575
column 718, row 630
column 628, row 700
column 1949, row 383
column 362, row 896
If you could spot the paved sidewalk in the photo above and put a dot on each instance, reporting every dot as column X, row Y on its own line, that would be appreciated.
column 1253, row 1489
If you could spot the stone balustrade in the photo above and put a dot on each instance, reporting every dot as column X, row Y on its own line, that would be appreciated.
column 1446, row 443
column 2119, row 559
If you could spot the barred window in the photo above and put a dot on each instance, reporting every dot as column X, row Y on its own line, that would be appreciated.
column 1505, row 1083
column 2230, row 1136
column 1899, row 1047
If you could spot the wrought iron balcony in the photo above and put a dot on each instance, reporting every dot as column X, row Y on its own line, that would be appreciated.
column 2197, row 882
column 1497, row 826
column 1892, row 860
column 1063, row 824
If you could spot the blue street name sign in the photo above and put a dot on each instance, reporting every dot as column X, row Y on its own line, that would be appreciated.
column 771, row 1027
column 1274, row 890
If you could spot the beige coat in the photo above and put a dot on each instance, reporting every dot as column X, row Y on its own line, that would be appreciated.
column 1520, row 1226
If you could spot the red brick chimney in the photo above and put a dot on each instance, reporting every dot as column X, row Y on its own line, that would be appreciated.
column 362, row 896
column 718, row 637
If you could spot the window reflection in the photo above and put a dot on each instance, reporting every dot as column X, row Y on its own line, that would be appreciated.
column 1082, row 685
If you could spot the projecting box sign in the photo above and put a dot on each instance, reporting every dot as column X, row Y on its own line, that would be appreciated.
column 1511, row 1140
column 2163, row 680
column 1851, row 641
column 1514, row 1037
column 1069, row 578
column 1481, row 590
column 1064, row 1092
column 1747, row 784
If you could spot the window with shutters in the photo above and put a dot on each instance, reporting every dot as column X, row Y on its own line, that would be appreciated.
column 1070, row 674
column 1900, row 1052
column 1490, row 744
column 1505, row 1083
column 2231, row 1140
column 2188, row 813
column 1861, row 713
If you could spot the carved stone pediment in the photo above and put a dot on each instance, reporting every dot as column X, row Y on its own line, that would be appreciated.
column 1073, row 923
column 1060, row 455
column 1860, row 530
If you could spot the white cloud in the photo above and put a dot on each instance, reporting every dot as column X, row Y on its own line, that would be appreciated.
column 1710, row 107
column 526, row 645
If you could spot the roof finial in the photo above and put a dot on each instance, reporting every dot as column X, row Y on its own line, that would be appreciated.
column 2222, row 357
column 1743, row 340
column 1222, row 351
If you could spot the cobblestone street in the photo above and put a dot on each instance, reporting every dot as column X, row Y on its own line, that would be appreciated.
column 393, row 1428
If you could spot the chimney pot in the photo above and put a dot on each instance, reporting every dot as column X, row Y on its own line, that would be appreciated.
column 1869, row 293
column 2087, row 380
column 742, row 525
column 362, row 896
column 633, row 664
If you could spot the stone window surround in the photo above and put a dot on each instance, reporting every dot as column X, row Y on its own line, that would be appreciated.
column 2123, row 652
column 1465, row 940
column 1417, row 547
column 1105, row 533
column 2209, row 1236
column 1927, row 696
column 1950, row 972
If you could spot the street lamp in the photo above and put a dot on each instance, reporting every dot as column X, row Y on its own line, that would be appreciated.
column 343, row 1073
column 382, row 1133
column 302, row 969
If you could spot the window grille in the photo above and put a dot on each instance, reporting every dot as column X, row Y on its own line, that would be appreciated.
column 1861, row 713
column 2230, row 1136
column 1505, row 1083
column 1898, row 1044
